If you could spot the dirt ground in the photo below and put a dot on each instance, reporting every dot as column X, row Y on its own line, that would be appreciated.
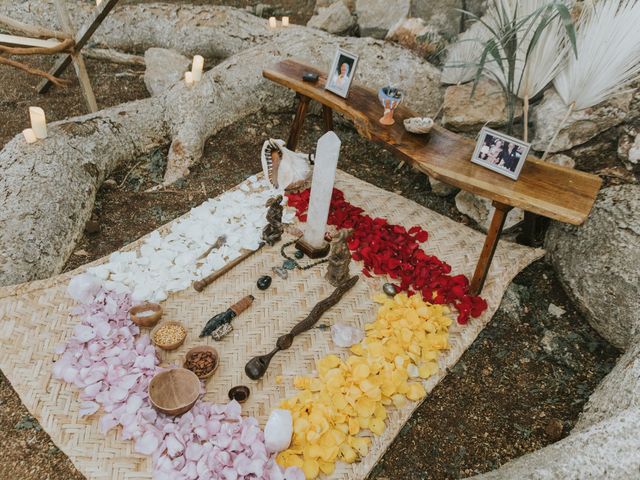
column 520, row 386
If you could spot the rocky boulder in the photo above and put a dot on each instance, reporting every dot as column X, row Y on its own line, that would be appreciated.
column 416, row 35
column 581, row 126
column 481, row 211
column 465, row 113
column 441, row 189
column 598, row 263
column 336, row 19
column 376, row 17
column 164, row 68
column 444, row 15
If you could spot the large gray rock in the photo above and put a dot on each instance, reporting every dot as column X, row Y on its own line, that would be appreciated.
column 443, row 15
column 598, row 263
column 464, row 113
column 164, row 68
column 336, row 18
column 481, row 210
column 607, row 450
column 619, row 391
column 376, row 17
column 581, row 126
column 441, row 189
column 350, row 4
column 416, row 35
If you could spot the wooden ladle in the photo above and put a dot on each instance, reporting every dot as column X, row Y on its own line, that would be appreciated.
column 257, row 366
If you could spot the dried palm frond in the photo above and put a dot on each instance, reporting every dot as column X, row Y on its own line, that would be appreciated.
column 608, row 44
column 462, row 57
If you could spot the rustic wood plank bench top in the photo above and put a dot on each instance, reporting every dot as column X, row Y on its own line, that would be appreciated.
column 543, row 188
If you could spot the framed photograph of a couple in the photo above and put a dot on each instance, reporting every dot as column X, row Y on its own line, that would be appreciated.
column 500, row 153
column 342, row 72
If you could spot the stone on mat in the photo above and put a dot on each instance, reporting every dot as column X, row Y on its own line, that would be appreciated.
column 481, row 211
column 164, row 69
column 376, row 17
column 598, row 263
column 581, row 126
column 336, row 18
column 465, row 113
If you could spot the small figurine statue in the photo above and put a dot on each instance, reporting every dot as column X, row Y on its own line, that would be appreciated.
column 272, row 232
column 339, row 259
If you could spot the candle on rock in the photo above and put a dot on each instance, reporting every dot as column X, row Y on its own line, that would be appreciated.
column 285, row 21
column 29, row 135
column 98, row 2
column 38, row 122
column 324, row 173
column 188, row 78
column 196, row 68
column 273, row 23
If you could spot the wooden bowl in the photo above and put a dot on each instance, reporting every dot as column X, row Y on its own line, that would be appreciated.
column 174, row 391
column 203, row 348
column 169, row 346
column 145, row 314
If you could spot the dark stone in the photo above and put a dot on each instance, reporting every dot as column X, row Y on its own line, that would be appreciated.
column 554, row 429
column 264, row 282
column 390, row 289
column 298, row 254
column 289, row 264
column 240, row 393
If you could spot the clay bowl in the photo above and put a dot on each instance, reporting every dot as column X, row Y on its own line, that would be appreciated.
column 168, row 346
column 145, row 314
column 174, row 391
column 203, row 348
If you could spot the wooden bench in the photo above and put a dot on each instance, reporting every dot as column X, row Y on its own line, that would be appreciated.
column 545, row 189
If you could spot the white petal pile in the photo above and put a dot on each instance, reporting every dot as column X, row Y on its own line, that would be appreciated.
column 112, row 368
column 170, row 263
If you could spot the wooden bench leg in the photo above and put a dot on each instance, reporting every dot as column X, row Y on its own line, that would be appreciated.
column 298, row 121
column 327, row 118
column 489, row 248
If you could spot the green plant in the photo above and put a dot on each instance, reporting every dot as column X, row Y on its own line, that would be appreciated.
column 514, row 29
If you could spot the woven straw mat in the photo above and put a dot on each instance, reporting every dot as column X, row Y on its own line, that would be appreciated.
column 34, row 318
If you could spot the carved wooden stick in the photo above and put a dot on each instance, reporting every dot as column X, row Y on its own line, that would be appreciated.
column 257, row 366
column 200, row 285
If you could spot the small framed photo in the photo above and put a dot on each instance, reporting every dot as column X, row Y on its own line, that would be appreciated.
column 342, row 72
column 500, row 153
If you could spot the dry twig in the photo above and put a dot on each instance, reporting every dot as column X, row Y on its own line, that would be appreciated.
column 34, row 71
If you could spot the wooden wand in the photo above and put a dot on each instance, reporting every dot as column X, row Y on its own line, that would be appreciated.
column 200, row 285
column 257, row 366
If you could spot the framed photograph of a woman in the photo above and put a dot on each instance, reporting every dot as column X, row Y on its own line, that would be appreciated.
column 500, row 153
column 341, row 73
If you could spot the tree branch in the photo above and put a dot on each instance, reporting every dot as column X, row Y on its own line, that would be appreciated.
column 64, row 46
column 32, row 30
column 34, row 71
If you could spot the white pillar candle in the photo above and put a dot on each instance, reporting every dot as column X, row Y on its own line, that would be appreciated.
column 273, row 22
column 285, row 21
column 98, row 2
column 38, row 122
column 324, row 175
column 196, row 68
column 188, row 78
column 29, row 135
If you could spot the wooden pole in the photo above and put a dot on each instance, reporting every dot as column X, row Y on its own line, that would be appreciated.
column 327, row 118
column 78, row 61
column 81, row 39
column 489, row 248
column 298, row 121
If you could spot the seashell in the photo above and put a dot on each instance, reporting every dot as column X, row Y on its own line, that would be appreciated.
column 284, row 167
column 418, row 124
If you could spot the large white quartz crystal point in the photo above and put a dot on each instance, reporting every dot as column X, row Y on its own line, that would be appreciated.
column 324, row 175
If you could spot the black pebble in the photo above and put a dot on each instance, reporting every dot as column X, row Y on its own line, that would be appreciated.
column 298, row 254
column 264, row 282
